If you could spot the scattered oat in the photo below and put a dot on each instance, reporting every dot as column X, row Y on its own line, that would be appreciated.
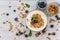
column 21, row 24
column 48, row 38
column 4, row 22
column 19, row 8
column 52, row 20
column 17, row 28
column 22, row 4
column 37, row 34
column 11, row 26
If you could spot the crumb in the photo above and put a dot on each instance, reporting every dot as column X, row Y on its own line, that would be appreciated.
column 19, row 8
column 57, row 30
column 21, row 24
column 58, row 21
column 4, row 22
column 17, row 28
column 22, row 4
column 23, row 15
column 10, row 6
column 44, row 30
column 48, row 38
column 52, row 20
column 14, row 38
column 37, row 34
column 53, row 33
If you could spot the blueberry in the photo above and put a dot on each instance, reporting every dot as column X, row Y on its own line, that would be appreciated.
column 51, row 26
column 16, row 19
column 26, row 35
column 14, row 10
column 49, row 33
column 41, row 4
column 20, row 32
column 7, row 14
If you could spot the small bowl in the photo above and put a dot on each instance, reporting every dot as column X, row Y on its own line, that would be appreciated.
column 53, row 3
column 28, row 20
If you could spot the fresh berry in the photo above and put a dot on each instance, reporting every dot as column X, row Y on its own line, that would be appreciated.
column 26, row 35
column 16, row 19
column 14, row 10
column 49, row 33
column 41, row 4
column 26, row 11
column 7, row 14
column 51, row 26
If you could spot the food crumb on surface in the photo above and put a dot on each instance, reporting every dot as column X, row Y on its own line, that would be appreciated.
column 52, row 20
column 48, row 38
column 37, row 34
column 11, row 26
column 57, row 30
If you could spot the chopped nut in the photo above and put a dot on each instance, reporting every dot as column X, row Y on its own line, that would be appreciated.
column 19, row 8
column 52, row 20
column 11, row 26
column 37, row 34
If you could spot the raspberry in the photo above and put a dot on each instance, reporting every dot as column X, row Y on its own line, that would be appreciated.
column 26, row 11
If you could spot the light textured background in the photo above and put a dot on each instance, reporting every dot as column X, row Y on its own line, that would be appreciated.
column 6, row 35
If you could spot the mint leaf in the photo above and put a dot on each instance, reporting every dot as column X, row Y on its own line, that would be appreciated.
column 30, row 33
column 27, row 5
